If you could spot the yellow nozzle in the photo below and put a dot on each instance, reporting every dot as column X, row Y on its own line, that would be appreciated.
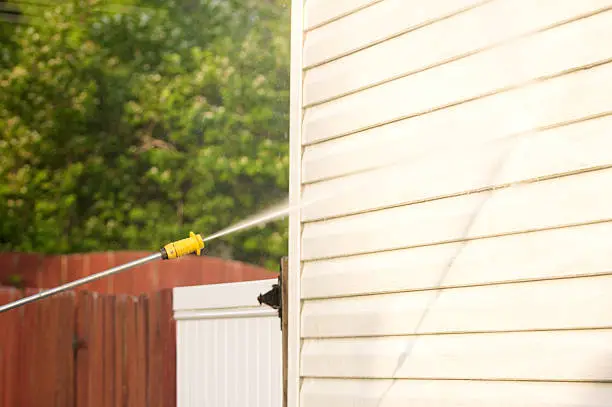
column 194, row 243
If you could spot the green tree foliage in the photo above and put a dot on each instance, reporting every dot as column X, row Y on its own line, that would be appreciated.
column 125, row 126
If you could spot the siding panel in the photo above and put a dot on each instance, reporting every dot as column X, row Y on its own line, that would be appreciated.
column 317, row 12
column 529, row 256
column 443, row 393
column 373, row 24
column 453, row 171
column 458, row 36
column 526, row 207
column 548, row 103
column 546, row 355
column 535, row 58
column 507, row 307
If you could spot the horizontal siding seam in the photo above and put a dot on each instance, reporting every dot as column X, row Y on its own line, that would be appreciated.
column 454, row 379
column 606, row 273
column 341, row 16
column 469, row 239
column 397, row 34
column 459, row 57
column 491, row 188
column 455, row 333
column 533, row 81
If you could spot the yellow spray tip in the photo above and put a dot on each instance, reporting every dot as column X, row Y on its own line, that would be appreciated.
column 193, row 244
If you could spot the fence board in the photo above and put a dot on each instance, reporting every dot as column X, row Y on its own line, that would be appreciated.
column 168, row 340
column 99, row 262
column 141, row 349
column 64, row 385
column 155, row 357
column 95, row 347
column 50, row 273
column 100, row 388
column 46, row 355
column 129, row 357
column 28, row 354
column 109, row 350
column 46, row 349
column 9, row 346
column 119, row 368
column 83, row 321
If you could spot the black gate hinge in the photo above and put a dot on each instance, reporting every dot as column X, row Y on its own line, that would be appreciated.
column 273, row 298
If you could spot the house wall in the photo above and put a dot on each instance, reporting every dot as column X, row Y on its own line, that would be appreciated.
column 453, row 159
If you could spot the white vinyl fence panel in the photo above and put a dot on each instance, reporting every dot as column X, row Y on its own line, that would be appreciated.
column 229, row 350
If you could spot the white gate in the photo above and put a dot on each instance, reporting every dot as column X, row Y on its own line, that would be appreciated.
column 228, row 346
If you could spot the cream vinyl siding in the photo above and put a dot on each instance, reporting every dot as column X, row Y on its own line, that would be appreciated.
column 454, row 160
column 321, row 12
column 371, row 25
column 516, row 257
column 447, row 393
column 491, row 356
column 434, row 46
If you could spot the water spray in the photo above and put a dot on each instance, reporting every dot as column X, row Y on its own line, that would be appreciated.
column 275, row 212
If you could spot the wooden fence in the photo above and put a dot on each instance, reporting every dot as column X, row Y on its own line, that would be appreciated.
column 39, row 271
column 82, row 349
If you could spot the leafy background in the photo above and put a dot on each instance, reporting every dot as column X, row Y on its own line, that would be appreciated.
column 126, row 124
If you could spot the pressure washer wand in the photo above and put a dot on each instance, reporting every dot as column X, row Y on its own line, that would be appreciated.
column 193, row 244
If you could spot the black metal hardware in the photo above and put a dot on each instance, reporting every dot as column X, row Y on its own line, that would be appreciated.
column 273, row 298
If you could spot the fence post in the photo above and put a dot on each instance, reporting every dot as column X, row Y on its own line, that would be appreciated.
column 284, row 274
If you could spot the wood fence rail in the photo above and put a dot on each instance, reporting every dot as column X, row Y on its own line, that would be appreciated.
column 82, row 349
